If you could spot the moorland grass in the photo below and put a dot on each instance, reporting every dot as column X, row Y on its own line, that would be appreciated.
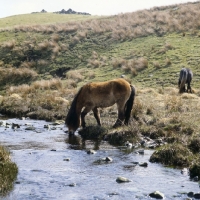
column 148, row 47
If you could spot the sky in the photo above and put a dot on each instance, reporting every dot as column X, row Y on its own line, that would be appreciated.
column 94, row 7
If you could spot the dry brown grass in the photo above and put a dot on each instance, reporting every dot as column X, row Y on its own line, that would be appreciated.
column 75, row 75
column 27, row 64
column 179, row 18
column 15, row 74
column 96, row 61
column 132, row 65
column 156, row 64
column 167, row 62
column 43, row 46
column 55, row 84
column 45, row 99
column 24, row 89
column 55, row 37
column 9, row 44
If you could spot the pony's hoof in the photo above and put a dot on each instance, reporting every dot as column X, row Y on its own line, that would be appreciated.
column 116, row 125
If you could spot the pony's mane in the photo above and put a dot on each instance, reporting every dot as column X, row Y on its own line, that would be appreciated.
column 72, row 116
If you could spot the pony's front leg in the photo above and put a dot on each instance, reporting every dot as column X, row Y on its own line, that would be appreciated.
column 97, row 115
column 85, row 111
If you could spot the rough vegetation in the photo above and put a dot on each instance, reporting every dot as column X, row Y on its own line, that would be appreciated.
column 45, row 65
column 8, row 172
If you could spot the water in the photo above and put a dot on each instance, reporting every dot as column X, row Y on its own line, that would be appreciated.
column 44, row 172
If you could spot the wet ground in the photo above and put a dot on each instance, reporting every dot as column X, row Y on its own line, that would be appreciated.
column 54, row 166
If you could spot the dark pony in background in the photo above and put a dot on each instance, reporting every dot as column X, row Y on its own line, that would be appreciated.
column 185, row 77
column 101, row 94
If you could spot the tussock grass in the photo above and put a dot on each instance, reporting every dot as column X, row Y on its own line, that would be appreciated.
column 8, row 172
column 45, row 99
column 75, row 75
column 20, row 75
column 172, row 155
column 9, row 44
column 131, row 66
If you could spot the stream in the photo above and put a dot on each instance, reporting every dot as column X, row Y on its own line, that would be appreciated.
column 54, row 166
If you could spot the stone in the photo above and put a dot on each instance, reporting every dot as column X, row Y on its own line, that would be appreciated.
column 47, row 126
column 157, row 195
column 122, row 179
column 143, row 164
column 197, row 195
column 66, row 159
column 196, row 179
column 141, row 151
column 128, row 145
column 14, row 126
column 30, row 128
column 107, row 159
column 72, row 184
column 190, row 194
column 91, row 151
column 2, row 123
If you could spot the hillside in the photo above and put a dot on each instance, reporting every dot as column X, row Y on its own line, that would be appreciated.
column 166, row 38
column 46, row 59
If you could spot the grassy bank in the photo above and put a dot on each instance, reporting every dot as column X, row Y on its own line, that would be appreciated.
column 8, row 172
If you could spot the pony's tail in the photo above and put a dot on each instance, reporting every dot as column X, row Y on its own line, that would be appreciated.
column 129, row 105
column 183, row 79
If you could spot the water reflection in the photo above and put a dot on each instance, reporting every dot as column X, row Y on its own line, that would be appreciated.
column 76, row 142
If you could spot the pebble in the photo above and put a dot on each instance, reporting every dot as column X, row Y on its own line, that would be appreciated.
column 91, row 151
column 190, row 194
column 121, row 179
column 72, row 184
column 66, row 159
column 197, row 195
column 107, row 159
column 143, row 164
column 157, row 195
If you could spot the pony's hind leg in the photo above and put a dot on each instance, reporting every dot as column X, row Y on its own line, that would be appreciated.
column 189, row 89
column 97, row 115
column 121, row 116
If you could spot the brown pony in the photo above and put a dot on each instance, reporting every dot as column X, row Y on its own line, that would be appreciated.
column 101, row 94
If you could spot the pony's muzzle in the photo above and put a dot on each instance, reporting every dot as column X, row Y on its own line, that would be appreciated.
column 71, row 132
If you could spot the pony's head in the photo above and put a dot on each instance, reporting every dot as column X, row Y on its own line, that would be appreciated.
column 72, row 129
column 72, row 120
